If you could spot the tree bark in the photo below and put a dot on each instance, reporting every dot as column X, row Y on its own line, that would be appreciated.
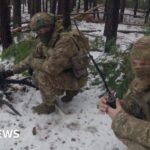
column 16, row 13
column 60, row 7
column 105, row 10
column 85, row 5
column 147, row 12
column 66, row 16
column 78, row 6
column 136, row 3
column 35, row 6
column 5, row 33
column 111, row 23
column 53, row 6
column 122, row 8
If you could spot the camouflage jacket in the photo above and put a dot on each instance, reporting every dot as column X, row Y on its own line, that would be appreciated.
column 133, row 123
column 54, row 62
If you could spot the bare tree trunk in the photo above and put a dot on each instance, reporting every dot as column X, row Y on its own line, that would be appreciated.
column 136, row 3
column 46, row 5
column 147, row 12
column 78, row 7
column 35, row 6
column 60, row 7
column 122, row 8
column 105, row 10
column 66, row 16
column 53, row 6
column 111, row 23
column 16, row 13
column 85, row 5
column 5, row 33
column 29, row 6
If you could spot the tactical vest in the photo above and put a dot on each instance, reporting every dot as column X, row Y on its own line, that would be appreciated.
column 80, row 61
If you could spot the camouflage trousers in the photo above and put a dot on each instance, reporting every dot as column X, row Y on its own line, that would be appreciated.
column 133, row 146
column 48, row 92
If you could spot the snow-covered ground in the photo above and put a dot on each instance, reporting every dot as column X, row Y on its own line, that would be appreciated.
column 78, row 125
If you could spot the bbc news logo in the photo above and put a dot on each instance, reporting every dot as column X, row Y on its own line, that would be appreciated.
column 9, row 134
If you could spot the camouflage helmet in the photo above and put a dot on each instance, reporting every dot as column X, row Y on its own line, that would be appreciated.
column 140, row 58
column 40, row 20
column 141, row 49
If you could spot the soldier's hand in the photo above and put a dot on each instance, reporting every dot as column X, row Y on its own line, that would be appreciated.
column 5, row 74
column 104, row 107
column 113, row 112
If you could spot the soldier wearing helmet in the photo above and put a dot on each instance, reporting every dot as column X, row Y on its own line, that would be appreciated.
column 52, row 63
column 131, row 118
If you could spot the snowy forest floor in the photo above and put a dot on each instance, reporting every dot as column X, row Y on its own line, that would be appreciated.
column 80, row 125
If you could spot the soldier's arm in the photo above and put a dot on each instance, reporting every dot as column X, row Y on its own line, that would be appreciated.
column 58, row 61
column 131, row 128
column 23, row 65
column 26, row 63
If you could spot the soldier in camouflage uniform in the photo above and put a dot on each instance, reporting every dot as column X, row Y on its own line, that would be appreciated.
column 131, row 118
column 54, row 62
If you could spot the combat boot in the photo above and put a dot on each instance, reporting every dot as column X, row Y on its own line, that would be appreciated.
column 69, row 96
column 43, row 109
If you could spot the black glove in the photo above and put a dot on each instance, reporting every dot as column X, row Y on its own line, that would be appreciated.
column 5, row 74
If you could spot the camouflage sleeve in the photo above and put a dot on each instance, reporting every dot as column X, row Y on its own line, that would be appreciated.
column 22, row 66
column 131, row 128
column 26, row 63
column 58, row 61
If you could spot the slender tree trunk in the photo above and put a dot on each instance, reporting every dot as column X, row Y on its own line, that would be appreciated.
column 53, row 6
column 90, row 3
column 122, row 8
column 46, row 5
column 85, row 5
column 16, row 13
column 60, row 7
column 136, row 3
column 111, row 23
column 147, row 12
column 66, row 16
column 78, row 7
column 35, row 6
column 5, row 33
column 105, row 10
column 29, row 6
column 43, row 5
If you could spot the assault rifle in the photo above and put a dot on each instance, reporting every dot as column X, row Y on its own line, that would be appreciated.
column 23, row 81
column 111, row 100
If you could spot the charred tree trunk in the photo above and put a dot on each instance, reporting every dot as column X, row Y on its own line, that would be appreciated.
column 111, row 23
column 66, row 16
column 53, row 6
column 5, row 33
column 136, row 3
column 16, row 13
column 147, row 12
